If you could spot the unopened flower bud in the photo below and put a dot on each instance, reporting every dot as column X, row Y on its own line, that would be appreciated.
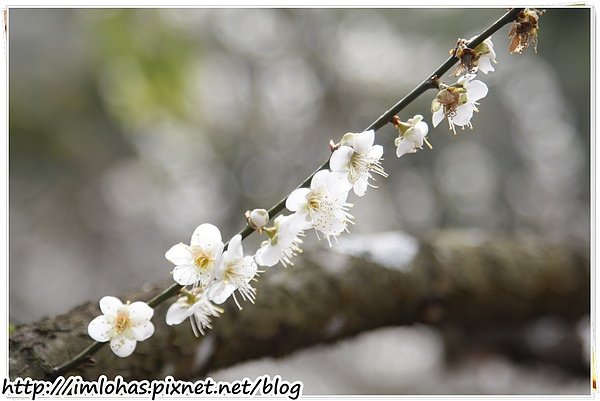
column 333, row 146
column 257, row 218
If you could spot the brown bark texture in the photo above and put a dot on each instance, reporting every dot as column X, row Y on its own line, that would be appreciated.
column 465, row 278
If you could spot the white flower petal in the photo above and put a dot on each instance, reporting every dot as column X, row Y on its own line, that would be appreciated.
column 215, row 249
column 220, row 291
column 206, row 235
column 463, row 115
column 364, row 141
column 142, row 330
column 398, row 141
column 404, row 147
column 219, row 268
column 338, row 185
column 360, row 186
column 205, row 277
column 376, row 152
column 235, row 250
column 329, row 224
column 110, row 305
column 319, row 179
column 294, row 223
column 178, row 312
column 179, row 254
column 292, row 226
column 485, row 65
column 476, row 90
column 100, row 329
column 492, row 54
column 465, row 79
column 268, row 255
column 437, row 117
column 185, row 274
column 297, row 199
column 422, row 127
column 340, row 158
column 247, row 268
column 141, row 310
column 417, row 118
column 414, row 137
column 122, row 346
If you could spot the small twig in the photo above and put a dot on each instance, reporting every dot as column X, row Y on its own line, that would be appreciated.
column 77, row 360
column 385, row 118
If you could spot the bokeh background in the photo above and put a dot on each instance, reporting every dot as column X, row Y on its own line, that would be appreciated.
column 130, row 127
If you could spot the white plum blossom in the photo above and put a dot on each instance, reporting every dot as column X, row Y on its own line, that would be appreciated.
column 323, row 206
column 357, row 158
column 195, row 305
column 283, row 243
column 412, row 135
column 234, row 273
column 458, row 101
column 257, row 218
column 122, row 324
column 194, row 263
column 486, row 54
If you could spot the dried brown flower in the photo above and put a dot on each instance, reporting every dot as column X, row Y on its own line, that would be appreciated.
column 467, row 56
column 524, row 30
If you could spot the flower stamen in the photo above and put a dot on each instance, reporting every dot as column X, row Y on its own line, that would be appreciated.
column 122, row 322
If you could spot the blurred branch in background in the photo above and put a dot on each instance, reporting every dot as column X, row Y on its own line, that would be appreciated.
column 456, row 279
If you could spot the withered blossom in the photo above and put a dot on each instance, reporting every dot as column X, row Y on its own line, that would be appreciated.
column 524, row 30
column 474, row 60
column 467, row 56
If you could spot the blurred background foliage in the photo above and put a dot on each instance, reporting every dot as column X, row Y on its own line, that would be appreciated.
column 130, row 127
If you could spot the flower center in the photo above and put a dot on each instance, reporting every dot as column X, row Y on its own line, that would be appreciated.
column 190, row 298
column 358, row 166
column 452, row 97
column 314, row 202
column 202, row 261
column 230, row 272
column 122, row 322
column 272, row 233
column 361, row 166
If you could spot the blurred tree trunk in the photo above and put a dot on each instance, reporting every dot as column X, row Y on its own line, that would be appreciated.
column 467, row 279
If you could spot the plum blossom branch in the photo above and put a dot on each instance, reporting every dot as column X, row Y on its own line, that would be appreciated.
column 195, row 304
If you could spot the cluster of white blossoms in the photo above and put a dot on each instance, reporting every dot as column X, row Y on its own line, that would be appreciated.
column 209, row 272
column 209, row 275
column 457, row 102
